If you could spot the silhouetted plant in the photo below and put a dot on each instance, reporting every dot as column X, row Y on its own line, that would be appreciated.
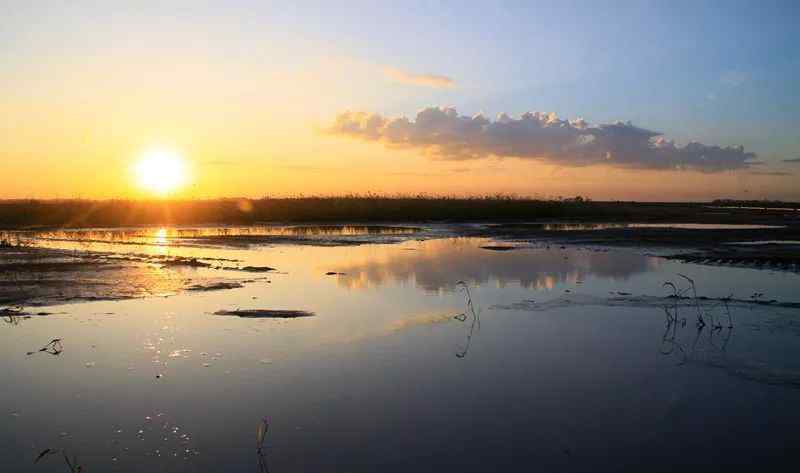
column 476, row 321
column 72, row 464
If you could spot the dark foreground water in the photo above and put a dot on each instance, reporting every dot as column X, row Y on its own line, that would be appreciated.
column 567, row 359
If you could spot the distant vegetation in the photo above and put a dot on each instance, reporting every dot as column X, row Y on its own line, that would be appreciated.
column 774, row 204
column 354, row 208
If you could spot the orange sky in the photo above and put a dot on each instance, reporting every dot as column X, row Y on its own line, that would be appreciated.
column 84, row 140
column 82, row 105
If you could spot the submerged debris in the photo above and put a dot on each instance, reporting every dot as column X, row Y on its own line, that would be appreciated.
column 499, row 247
column 19, row 311
column 13, row 315
column 266, row 313
column 190, row 262
column 13, row 310
column 248, row 269
column 55, row 347
column 216, row 286
column 256, row 269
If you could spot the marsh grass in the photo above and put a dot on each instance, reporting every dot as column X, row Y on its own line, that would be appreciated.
column 705, row 317
column 13, row 314
column 469, row 313
column 704, row 314
column 346, row 208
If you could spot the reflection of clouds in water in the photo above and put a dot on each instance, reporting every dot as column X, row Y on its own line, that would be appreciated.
column 355, row 334
column 619, row 265
column 418, row 320
column 438, row 264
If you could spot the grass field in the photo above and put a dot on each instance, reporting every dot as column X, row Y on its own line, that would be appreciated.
column 370, row 208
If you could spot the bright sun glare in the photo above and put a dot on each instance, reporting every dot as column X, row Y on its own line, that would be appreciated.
column 161, row 171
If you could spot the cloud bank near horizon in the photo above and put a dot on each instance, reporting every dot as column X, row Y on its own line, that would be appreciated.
column 440, row 132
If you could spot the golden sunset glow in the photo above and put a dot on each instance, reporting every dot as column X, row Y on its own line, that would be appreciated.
column 161, row 171
column 254, row 119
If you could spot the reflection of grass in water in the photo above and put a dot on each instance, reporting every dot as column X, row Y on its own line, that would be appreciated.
column 710, row 343
column 705, row 316
column 72, row 464
column 261, row 435
column 475, row 317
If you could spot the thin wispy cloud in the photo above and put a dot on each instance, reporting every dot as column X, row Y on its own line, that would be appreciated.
column 423, row 80
column 734, row 78
column 792, row 160
column 443, row 133
column 771, row 173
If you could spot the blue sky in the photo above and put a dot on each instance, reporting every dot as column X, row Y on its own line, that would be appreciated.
column 719, row 72
column 712, row 70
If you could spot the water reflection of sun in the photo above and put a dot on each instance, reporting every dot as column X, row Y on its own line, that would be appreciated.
column 160, row 241
column 161, row 236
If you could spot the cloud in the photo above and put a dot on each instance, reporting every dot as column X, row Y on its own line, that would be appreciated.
column 443, row 133
column 734, row 78
column 424, row 80
column 792, row 160
column 771, row 173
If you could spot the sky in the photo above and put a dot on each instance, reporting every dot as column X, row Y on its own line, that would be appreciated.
column 658, row 101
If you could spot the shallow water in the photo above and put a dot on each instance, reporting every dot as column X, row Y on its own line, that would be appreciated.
column 162, row 237
column 396, row 372
column 704, row 226
column 766, row 242
column 566, row 227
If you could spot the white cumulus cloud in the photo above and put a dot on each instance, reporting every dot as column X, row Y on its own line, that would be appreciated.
column 442, row 133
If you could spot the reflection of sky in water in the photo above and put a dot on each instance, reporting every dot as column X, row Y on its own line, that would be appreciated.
column 373, row 383
column 439, row 264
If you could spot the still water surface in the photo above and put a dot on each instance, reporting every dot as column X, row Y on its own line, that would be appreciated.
column 396, row 372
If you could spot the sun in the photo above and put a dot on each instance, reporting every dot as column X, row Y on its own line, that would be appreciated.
column 161, row 171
